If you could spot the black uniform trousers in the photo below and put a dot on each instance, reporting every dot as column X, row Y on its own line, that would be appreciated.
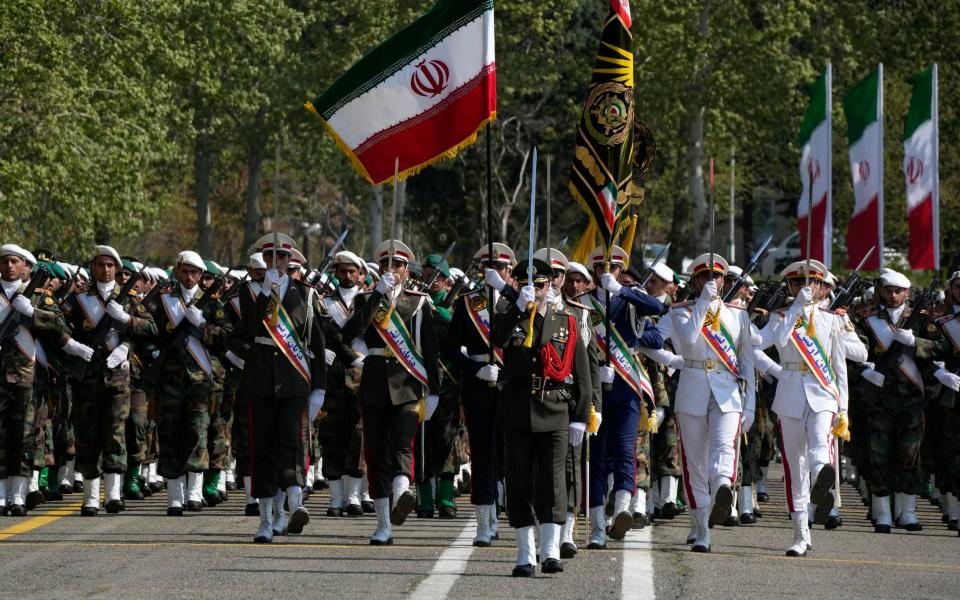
column 480, row 411
column 277, row 433
column 388, row 437
column 536, row 482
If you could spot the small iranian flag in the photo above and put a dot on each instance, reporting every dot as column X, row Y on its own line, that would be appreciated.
column 816, row 142
column 418, row 97
column 922, row 171
column 863, row 107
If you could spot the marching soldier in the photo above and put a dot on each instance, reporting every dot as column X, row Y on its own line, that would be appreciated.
column 285, row 375
column 221, row 404
column 137, row 420
column 545, row 384
column 948, row 472
column 101, row 387
column 397, row 327
column 478, row 375
column 715, row 396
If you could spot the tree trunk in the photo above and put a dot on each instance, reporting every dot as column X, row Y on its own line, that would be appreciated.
column 695, row 102
column 376, row 218
column 202, row 163
column 251, row 223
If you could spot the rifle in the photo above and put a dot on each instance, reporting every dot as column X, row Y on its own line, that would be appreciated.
column 150, row 300
column 61, row 294
column 754, row 261
column 75, row 365
column 12, row 321
column 923, row 299
column 200, row 301
column 649, row 272
column 850, row 288
column 769, row 295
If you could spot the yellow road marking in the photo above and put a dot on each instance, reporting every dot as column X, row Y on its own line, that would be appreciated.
column 39, row 521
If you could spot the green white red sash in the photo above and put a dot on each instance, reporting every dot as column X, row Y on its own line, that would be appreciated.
column 621, row 358
column 478, row 310
column 811, row 349
column 721, row 342
column 397, row 338
column 284, row 334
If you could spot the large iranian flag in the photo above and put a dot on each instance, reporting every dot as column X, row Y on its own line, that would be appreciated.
column 863, row 107
column 922, row 171
column 816, row 144
column 418, row 97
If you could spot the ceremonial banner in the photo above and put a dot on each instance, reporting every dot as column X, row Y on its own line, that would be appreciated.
column 816, row 142
column 921, row 158
column 863, row 107
column 602, row 162
column 420, row 96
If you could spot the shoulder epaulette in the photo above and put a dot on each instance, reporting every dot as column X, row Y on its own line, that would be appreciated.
column 415, row 293
column 576, row 304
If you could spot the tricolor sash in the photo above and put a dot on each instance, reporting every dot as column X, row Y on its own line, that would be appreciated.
column 951, row 328
column 721, row 342
column 176, row 312
column 397, row 338
column 883, row 332
column 24, row 339
column 478, row 310
column 284, row 334
column 621, row 358
column 811, row 349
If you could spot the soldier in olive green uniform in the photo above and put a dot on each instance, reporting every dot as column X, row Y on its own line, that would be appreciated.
column 101, row 386
column 544, row 406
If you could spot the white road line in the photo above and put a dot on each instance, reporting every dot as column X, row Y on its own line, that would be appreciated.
column 449, row 566
column 637, row 579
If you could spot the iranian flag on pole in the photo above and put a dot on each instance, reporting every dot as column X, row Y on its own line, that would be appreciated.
column 420, row 96
column 922, row 171
column 816, row 145
column 863, row 107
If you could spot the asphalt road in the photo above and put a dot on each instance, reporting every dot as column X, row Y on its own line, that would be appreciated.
column 142, row 553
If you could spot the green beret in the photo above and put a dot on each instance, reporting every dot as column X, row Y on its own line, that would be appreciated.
column 128, row 265
column 435, row 261
column 211, row 267
column 55, row 269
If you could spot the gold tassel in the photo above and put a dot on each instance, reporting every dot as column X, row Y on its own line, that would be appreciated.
column 421, row 410
column 628, row 240
column 811, row 328
column 644, row 417
column 528, row 341
column 652, row 421
column 593, row 425
column 715, row 325
column 842, row 429
column 275, row 315
column 581, row 252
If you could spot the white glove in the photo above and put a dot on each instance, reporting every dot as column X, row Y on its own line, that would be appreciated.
column 676, row 363
column 610, row 283
column 75, row 348
column 387, row 282
column 576, row 433
column 271, row 278
column 117, row 313
column 329, row 356
column 874, row 377
column 493, row 279
column 22, row 305
column 747, row 420
column 599, row 422
column 709, row 291
column 526, row 297
column 118, row 355
column 948, row 379
column 905, row 337
column 316, row 402
column 489, row 373
column 774, row 371
column 607, row 373
column 804, row 297
column 432, row 401
column 552, row 295
column 236, row 360
column 660, row 414
column 195, row 316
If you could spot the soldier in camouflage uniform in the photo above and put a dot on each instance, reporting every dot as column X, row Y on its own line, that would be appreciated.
column 189, row 381
column 221, row 405
column 948, row 447
column 136, row 425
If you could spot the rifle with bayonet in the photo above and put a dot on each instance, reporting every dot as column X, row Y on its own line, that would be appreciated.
column 200, row 301
column 754, row 261
column 851, row 288
column 11, row 323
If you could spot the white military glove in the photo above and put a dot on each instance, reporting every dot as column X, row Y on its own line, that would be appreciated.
column 905, row 337
column 676, row 363
column 610, row 283
column 874, row 377
column 271, row 278
column 22, row 305
column 748, row 416
column 709, row 291
column 118, row 355
column 316, row 402
column 527, row 296
column 493, row 279
column 607, row 373
column 236, row 360
column 660, row 413
column 329, row 356
column 948, row 379
column 774, row 371
column 357, row 362
column 387, row 282
column 117, row 313
column 489, row 373
column 576, row 433
column 804, row 297
column 552, row 295
column 195, row 316
column 432, row 401
column 75, row 348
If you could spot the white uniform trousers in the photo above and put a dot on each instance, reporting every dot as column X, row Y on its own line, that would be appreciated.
column 806, row 445
column 708, row 446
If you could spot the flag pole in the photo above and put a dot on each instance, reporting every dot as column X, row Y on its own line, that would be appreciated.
column 490, row 297
column 275, row 315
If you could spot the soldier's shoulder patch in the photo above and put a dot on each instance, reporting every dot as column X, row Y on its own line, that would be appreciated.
column 133, row 293
column 595, row 318
column 931, row 327
column 220, row 314
column 48, row 301
column 477, row 303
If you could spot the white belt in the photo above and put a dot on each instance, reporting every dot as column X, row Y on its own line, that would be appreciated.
column 704, row 365
column 480, row 357
column 384, row 352
column 791, row 366
column 266, row 341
